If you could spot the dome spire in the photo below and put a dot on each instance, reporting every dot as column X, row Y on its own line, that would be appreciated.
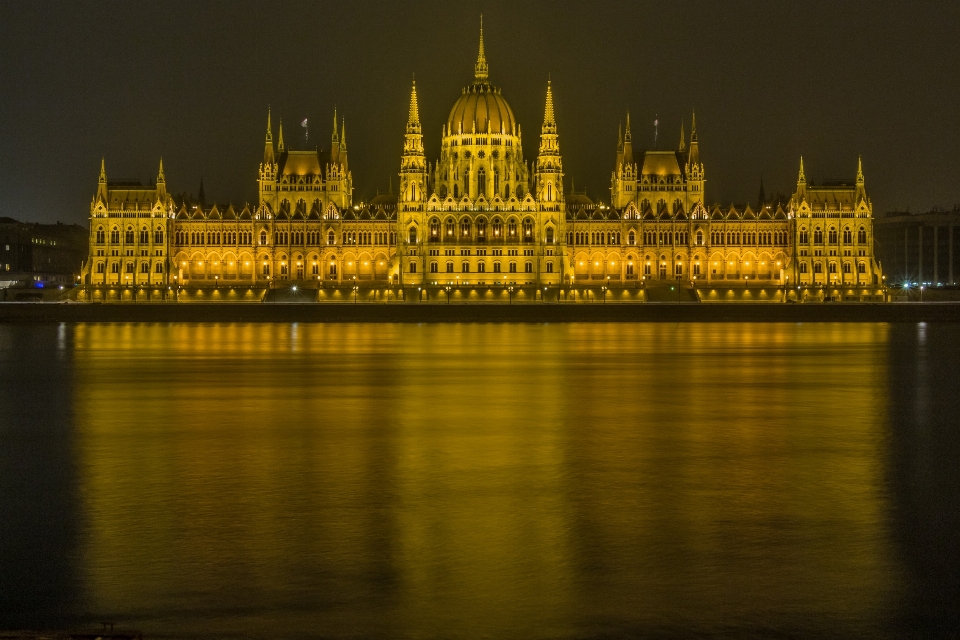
column 414, row 119
column 481, row 70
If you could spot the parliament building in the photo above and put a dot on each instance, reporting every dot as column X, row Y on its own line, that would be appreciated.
column 482, row 216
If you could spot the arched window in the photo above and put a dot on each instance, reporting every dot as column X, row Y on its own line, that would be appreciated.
column 101, row 268
column 481, row 228
column 481, row 267
column 434, row 267
column 804, row 237
column 263, row 237
column 115, row 267
column 449, row 230
column 528, row 229
column 833, row 235
column 464, row 228
column 115, row 235
column 450, row 267
column 128, row 236
column 456, row 190
column 818, row 236
column 847, row 268
column 818, row 267
column 144, row 267
column 861, row 267
column 412, row 239
column 496, row 267
column 434, row 228
column 847, row 235
column 700, row 237
column 512, row 228
column 519, row 192
column 549, row 235
column 833, row 267
column 413, row 192
column 549, row 192
column 528, row 267
column 497, row 227
column 632, row 238
column 158, row 268
column 803, row 267
column 443, row 191
column 496, row 181
column 862, row 236
column 465, row 267
column 331, row 237
column 101, row 236
column 144, row 236
column 513, row 267
column 481, row 182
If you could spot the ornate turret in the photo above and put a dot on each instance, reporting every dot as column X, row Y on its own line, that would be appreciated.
column 694, row 143
column 343, row 145
column 161, row 183
column 861, row 189
column 628, row 143
column 280, row 146
column 801, row 184
column 549, row 175
column 102, row 185
column 335, row 141
column 683, row 139
column 413, row 165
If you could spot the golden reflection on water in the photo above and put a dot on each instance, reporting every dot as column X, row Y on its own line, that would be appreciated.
column 483, row 480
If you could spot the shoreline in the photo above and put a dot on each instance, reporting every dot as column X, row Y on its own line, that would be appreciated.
column 39, row 312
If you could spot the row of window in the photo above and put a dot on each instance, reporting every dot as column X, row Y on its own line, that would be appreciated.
column 129, row 267
column 832, row 267
column 130, row 236
column 482, row 267
column 833, row 237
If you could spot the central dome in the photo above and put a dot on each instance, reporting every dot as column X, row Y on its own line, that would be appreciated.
column 482, row 104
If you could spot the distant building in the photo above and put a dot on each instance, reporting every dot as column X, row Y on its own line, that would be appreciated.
column 482, row 214
column 919, row 248
column 38, row 255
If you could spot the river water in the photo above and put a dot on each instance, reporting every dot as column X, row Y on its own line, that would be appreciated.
column 481, row 481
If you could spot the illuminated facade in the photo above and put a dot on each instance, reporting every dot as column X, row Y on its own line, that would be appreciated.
column 481, row 215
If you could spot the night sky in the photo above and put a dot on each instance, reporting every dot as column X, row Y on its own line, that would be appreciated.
column 191, row 81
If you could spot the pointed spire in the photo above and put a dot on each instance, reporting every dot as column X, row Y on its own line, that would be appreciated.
column 859, row 170
column 683, row 138
column 481, row 70
column 343, row 134
column 268, row 156
column 627, row 143
column 280, row 146
column 103, row 171
column 335, row 137
column 548, row 117
column 414, row 118
column 269, row 128
column 693, row 128
column 160, row 177
column 802, row 179
column 620, row 138
column 627, row 137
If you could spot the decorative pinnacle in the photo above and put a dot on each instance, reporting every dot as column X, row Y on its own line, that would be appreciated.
column 802, row 178
column 859, row 170
column 693, row 128
column 481, row 71
column 160, row 177
column 280, row 136
column 683, row 138
column 269, row 128
column 626, row 136
column 103, row 170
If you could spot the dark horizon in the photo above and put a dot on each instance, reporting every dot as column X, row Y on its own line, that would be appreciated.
column 132, row 82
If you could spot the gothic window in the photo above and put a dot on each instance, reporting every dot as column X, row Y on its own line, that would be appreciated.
column 803, row 267
column 158, row 236
column 115, row 236
column 413, row 192
column 158, row 268
column 700, row 237
column 818, row 267
column 481, row 267
column 129, row 268
column 481, row 228
column 847, row 268
column 333, row 270
column 497, row 227
column 528, row 267
column 449, row 267
column 804, row 237
column 818, row 236
column 528, row 230
column 833, row 267
column 519, row 192
column 512, row 228
column 101, row 236
column 861, row 267
column 456, row 190
column 862, row 236
column 100, row 267
column 464, row 228
column 449, row 229
column 513, row 267
column 144, row 267
column 847, row 235
column 443, row 191
column 631, row 238
column 266, row 269
column 413, row 239
column 465, row 267
column 434, row 267
column 481, row 182
column 115, row 267
column 496, row 267
column 549, row 235
column 496, row 180
column 833, row 235
column 263, row 237
column 434, row 228
column 128, row 237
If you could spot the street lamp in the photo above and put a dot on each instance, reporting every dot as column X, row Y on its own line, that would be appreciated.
column 448, row 293
column 510, row 294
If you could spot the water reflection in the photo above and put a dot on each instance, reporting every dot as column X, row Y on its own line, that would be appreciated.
column 536, row 481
